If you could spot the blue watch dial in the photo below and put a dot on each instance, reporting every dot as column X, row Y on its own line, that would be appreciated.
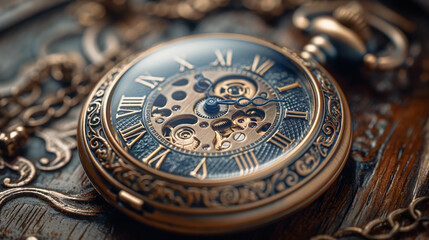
column 212, row 108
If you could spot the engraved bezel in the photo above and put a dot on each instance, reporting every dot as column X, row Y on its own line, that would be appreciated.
column 218, row 205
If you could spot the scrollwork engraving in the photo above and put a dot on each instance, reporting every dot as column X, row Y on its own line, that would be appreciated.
column 61, row 143
column 306, row 165
column 25, row 168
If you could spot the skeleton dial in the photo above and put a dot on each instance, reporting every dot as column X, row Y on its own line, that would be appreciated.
column 160, row 113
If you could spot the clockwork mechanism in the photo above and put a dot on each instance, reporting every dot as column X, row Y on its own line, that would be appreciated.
column 179, row 116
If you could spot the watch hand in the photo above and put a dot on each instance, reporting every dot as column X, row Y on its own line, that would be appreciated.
column 211, row 104
column 201, row 80
column 248, row 101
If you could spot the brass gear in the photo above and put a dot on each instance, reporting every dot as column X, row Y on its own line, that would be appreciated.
column 199, row 109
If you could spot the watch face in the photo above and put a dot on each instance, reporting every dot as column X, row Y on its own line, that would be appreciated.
column 214, row 133
column 159, row 113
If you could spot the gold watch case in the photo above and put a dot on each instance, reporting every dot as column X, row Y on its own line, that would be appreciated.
column 226, row 205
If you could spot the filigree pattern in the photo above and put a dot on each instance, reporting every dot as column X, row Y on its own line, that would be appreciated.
column 25, row 169
column 60, row 143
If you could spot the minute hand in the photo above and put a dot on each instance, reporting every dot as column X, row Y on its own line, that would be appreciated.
column 247, row 101
column 244, row 101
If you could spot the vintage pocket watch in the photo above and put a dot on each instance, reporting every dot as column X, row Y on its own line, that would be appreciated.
column 209, row 133
column 214, row 133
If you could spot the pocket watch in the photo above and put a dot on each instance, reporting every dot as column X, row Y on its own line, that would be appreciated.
column 205, row 134
column 214, row 133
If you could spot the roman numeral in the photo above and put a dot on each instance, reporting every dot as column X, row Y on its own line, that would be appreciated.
column 288, row 87
column 281, row 141
column 183, row 64
column 129, row 102
column 221, row 60
column 149, row 81
column 133, row 134
column 296, row 114
column 260, row 69
column 246, row 162
column 157, row 156
column 200, row 165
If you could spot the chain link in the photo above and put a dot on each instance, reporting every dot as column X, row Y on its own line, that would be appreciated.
column 57, row 104
column 26, row 95
column 398, row 221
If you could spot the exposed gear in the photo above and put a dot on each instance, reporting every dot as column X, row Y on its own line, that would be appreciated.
column 185, row 137
column 199, row 109
column 182, row 115
column 235, row 88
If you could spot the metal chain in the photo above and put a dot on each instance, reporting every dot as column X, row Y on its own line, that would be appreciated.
column 398, row 221
column 26, row 95
column 57, row 66
column 57, row 104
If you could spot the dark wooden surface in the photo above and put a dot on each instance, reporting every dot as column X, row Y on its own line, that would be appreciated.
column 390, row 143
